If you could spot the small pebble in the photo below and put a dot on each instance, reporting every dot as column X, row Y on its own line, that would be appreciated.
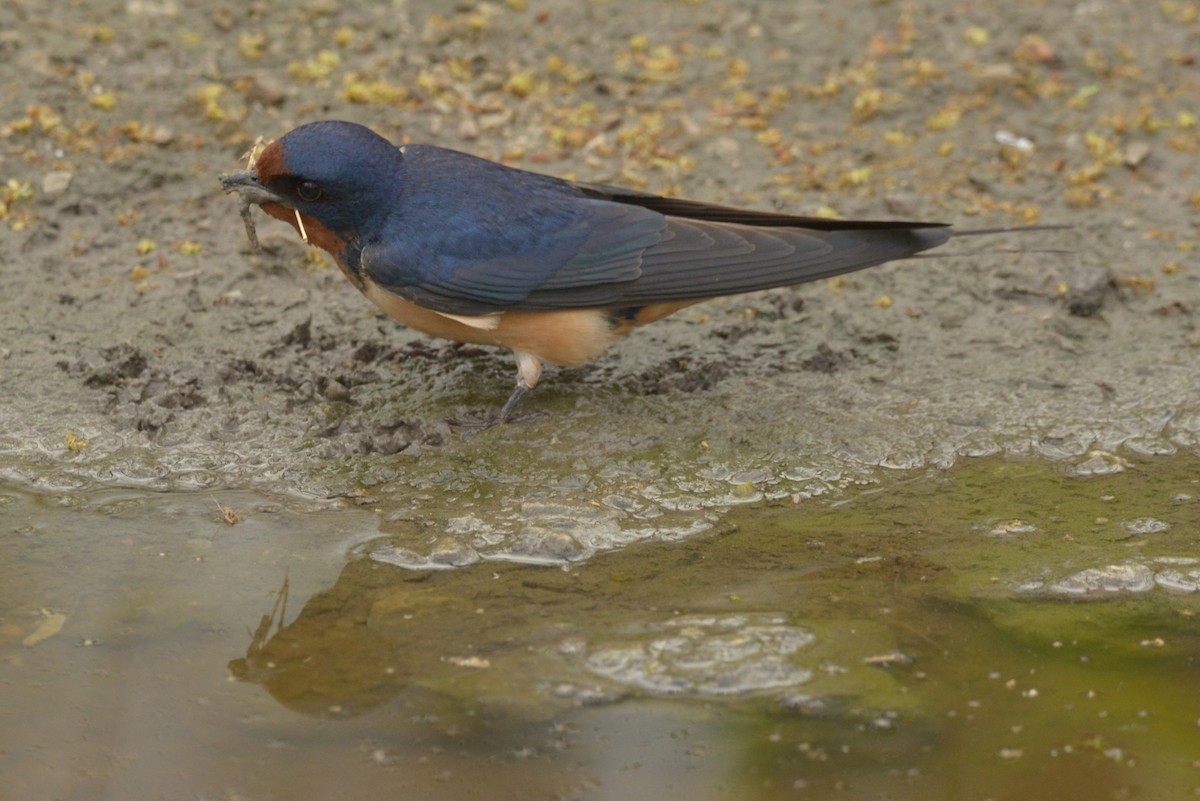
column 56, row 183
column 1135, row 154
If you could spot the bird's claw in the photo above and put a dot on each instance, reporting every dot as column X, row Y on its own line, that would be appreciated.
column 484, row 423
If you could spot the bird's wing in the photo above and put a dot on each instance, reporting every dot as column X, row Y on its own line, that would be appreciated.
column 688, row 260
column 712, row 249
column 700, row 259
column 715, row 212
column 484, row 239
column 577, row 253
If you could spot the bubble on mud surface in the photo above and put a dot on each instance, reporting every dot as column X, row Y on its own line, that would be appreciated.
column 1099, row 463
column 1184, row 581
column 1133, row 578
column 706, row 655
column 447, row 553
column 555, row 533
column 542, row 533
column 1176, row 560
column 1146, row 525
column 1009, row 529
column 1116, row 580
column 1148, row 446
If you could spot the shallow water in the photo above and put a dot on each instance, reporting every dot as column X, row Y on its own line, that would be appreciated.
column 912, row 639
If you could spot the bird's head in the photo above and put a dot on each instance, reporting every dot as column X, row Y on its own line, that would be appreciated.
column 331, row 180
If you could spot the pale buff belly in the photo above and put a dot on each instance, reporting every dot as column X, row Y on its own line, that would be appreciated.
column 568, row 338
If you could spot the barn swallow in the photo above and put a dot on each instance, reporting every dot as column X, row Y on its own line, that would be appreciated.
column 554, row 270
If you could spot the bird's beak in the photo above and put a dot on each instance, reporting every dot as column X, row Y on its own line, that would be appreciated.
column 246, row 184
column 251, row 192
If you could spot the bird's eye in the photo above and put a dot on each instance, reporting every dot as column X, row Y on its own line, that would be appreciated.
column 309, row 191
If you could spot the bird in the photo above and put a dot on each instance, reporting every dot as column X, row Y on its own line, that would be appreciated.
column 555, row 270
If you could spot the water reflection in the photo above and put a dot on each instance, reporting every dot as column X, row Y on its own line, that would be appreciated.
column 327, row 663
column 879, row 646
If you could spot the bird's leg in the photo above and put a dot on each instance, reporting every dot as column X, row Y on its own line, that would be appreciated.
column 529, row 370
column 519, row 391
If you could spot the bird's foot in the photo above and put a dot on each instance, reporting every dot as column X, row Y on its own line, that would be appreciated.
column 505, row 415
column 474, row 425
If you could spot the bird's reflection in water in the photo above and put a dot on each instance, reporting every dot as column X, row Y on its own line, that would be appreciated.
column 328, row 662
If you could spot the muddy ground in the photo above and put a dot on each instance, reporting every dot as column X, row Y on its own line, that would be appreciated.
column 144, row 344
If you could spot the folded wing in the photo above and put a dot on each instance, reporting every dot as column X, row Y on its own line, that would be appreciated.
column 508, row 240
